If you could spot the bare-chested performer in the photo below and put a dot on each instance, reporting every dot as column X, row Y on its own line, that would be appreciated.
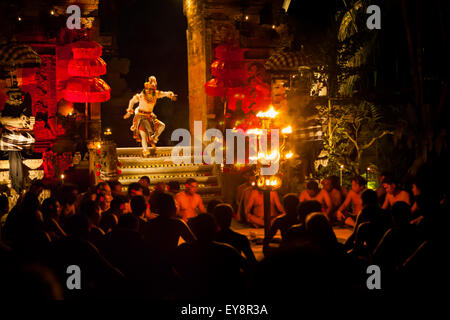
column 254, row 208
column 146, row 127
column 189, row 201
column 354, row 198
column 312, row 192
column 393, row 194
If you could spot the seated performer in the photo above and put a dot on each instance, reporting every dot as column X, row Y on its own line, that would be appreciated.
column 146, row 127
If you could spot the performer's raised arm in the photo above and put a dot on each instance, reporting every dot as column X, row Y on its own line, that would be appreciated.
column 132, row 102
column 167, row 94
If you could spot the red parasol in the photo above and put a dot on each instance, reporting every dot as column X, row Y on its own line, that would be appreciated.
column 85, row 66
column 86, row 90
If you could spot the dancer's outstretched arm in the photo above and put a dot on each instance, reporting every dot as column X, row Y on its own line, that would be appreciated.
column 167, row 94
column 132, row 102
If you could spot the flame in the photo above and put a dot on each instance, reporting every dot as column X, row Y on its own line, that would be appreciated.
column 273, row 181
column 271, row 113
column 289, row 155
column 254, row 131
column 286, row 130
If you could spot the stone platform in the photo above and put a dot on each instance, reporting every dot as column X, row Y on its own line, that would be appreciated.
column 161, row 168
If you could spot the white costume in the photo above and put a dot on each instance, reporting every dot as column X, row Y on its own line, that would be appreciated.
column 146, row 127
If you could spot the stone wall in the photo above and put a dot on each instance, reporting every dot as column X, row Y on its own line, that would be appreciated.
column 214, row 22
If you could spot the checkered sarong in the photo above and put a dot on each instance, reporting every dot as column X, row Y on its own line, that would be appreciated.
column 15, row 140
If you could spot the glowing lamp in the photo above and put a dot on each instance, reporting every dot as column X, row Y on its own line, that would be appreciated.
column 254, row 131
column 268, row 182
column 286, row 130
column 269, row 114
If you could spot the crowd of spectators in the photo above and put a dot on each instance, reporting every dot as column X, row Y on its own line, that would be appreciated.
column 163, row 243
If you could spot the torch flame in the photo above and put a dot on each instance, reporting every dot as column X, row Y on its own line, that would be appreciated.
column 289, row 155
column 254, row 131
column 271, row 113
column 286, row 130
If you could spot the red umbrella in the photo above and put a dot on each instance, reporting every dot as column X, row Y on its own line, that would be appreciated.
column 85, row 66
column 86, row 50
column 86, row 90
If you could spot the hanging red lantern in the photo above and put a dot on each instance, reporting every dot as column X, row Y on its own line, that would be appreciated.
column 86, row 90
column 87, row 67
column 86, row 50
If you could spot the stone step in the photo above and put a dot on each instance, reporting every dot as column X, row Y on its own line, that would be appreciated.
column 126, row 180
column 160, row 169
column 137, row 152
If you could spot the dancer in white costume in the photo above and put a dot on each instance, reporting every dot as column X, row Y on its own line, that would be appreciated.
column 146, row 127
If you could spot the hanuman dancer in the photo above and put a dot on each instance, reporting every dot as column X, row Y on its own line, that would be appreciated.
column 146, row 127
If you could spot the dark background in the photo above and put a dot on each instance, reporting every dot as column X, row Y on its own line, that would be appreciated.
column 152, row 35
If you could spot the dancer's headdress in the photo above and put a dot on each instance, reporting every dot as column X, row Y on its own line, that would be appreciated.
column 151, row 79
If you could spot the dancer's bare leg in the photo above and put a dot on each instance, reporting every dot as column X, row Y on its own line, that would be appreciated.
column 161, row 127
column 144, row 138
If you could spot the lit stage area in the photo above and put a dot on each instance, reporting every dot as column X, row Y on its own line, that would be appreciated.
column 256, row 237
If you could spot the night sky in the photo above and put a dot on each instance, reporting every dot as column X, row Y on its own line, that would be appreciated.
column 152, row 35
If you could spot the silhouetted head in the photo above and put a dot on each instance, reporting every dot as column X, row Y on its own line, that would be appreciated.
column 307, row 207
column 369, row 198
column 50, row 208
column 290, row 203
column 166, row 205
column 173, row 186
column 390, row 185
column 319, row 229
column 204, row 227
column 211, row 205
column 223, row 214
column 401, row 212
column 144, row 181
column 108, row 222
column 312, row 188
column 91, row 210
column 36, row 187
column 135, row 189
column 326, row 184
column 358, row 184
column 160, row 186
column 138, row 206
column 335, row 182
column 118, row 204
column 116, row 187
